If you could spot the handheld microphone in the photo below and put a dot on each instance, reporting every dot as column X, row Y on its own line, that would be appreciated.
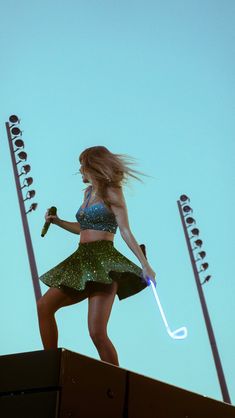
column 52, row 211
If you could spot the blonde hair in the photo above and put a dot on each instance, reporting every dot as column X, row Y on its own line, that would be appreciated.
column 108, row 169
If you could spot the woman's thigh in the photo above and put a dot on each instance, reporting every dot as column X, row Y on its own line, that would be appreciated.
column 56, row 298
column 100, row 302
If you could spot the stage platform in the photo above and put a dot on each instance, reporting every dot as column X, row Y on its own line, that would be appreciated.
column 64, row 384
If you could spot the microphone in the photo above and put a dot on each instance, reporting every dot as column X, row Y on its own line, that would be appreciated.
column 52, row 211
column 143, row 248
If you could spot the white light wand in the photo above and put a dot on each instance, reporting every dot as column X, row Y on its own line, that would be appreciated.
column 179, row 333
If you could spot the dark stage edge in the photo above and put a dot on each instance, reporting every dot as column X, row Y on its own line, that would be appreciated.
column 64, row 384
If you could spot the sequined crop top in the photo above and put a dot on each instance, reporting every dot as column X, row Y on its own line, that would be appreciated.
column 96, row 217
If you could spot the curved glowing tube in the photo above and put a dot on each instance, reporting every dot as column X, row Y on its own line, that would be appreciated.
column 179, row 333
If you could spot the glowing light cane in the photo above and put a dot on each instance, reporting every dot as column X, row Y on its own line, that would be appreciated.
column 178, row 334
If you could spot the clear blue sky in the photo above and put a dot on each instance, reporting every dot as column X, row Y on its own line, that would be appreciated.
column 154, row 80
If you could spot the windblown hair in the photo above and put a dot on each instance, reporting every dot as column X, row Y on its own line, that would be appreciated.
column 108, row 169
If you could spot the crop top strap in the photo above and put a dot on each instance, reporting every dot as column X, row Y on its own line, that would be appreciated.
column 88, row 196
column 89, row 189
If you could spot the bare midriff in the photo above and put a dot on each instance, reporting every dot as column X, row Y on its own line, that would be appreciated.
column 88, row 235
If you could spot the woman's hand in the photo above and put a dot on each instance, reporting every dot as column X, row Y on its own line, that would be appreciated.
column 54, row 219
column 147, row 271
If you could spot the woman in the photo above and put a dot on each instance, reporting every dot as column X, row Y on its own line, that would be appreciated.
column 96, row 270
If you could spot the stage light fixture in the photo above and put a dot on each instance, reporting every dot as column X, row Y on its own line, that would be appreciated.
column 190, row 221
column 194, row 231
column 184, row 198
column 187, row 209
column 14, row 119
column 27, row 182
column 32, row 207
column 204, row 267
column 19, row 143
column 206, row 280
column 22, row 156
column 202, row 255
column 16, row 131
column 25, row 169
column 30, row 194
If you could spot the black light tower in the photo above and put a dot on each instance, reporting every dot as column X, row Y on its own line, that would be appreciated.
column 15, row 144
column 187, row 222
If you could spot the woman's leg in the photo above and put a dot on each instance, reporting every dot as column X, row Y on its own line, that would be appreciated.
column 100, row 302
column 47, row 305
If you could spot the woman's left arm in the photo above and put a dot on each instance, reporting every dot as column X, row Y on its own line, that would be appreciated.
column 119, row 209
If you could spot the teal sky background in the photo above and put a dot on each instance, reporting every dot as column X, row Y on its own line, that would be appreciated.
column 154, row 80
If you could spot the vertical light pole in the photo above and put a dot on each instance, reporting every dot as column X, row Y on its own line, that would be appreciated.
column 13, row 133
column 186, row 209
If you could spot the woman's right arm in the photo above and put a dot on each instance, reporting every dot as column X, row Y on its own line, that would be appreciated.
column 73, row 227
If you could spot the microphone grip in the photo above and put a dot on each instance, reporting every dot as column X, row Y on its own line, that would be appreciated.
column 143, row 248
column 52, row 211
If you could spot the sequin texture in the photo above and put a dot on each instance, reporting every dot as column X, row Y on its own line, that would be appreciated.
column 97, row 217
column 98, row 261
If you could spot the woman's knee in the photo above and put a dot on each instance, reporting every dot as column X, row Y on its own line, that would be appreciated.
column 43, row 308
column 98, row 336
column 51, row 301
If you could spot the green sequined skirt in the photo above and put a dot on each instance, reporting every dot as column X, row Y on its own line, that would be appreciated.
column 97, row 261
